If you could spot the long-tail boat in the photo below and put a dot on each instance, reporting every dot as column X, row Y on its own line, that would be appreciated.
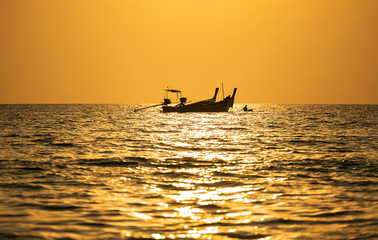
column 209, row 105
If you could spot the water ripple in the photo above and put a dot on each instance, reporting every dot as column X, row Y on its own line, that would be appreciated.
column 106, row 172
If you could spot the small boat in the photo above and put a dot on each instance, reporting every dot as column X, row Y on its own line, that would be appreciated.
column 209, row 105
column 245, row 109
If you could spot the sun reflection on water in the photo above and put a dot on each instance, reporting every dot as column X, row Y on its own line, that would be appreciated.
column 203, row 200
column 205, row 195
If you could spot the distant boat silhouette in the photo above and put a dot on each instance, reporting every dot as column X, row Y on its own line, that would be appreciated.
column 209, row 105
column 245, row 109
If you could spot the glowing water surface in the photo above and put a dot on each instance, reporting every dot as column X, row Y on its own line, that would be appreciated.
column 106, row 172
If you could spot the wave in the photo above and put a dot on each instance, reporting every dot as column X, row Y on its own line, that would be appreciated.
column 114, row 162
column 22, row 236
column 243, row 235
column 50, row 207
column 287, row 221
column 334, row 214
column 26, row 186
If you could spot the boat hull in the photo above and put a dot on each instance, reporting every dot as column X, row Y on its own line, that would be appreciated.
column 214, row 107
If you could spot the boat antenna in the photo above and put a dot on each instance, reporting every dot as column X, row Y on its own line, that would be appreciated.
column 222, row 90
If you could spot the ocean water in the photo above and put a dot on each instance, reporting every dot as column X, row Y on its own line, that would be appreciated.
column 107, row 172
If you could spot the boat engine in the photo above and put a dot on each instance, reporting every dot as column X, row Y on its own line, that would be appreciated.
column 183, row 100
column 166, row 101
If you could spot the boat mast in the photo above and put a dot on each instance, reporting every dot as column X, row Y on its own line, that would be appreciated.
column 222, row 90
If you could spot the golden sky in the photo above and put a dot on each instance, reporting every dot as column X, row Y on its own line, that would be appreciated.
column 128, row 51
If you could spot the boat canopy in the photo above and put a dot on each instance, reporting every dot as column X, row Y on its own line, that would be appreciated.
column 172, row 90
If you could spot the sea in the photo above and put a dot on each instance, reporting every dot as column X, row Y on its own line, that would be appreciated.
column 103, row 171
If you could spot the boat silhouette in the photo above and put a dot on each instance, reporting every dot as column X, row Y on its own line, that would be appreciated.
column 208, row 105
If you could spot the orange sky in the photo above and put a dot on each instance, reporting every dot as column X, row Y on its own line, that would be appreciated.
column 69, row 51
